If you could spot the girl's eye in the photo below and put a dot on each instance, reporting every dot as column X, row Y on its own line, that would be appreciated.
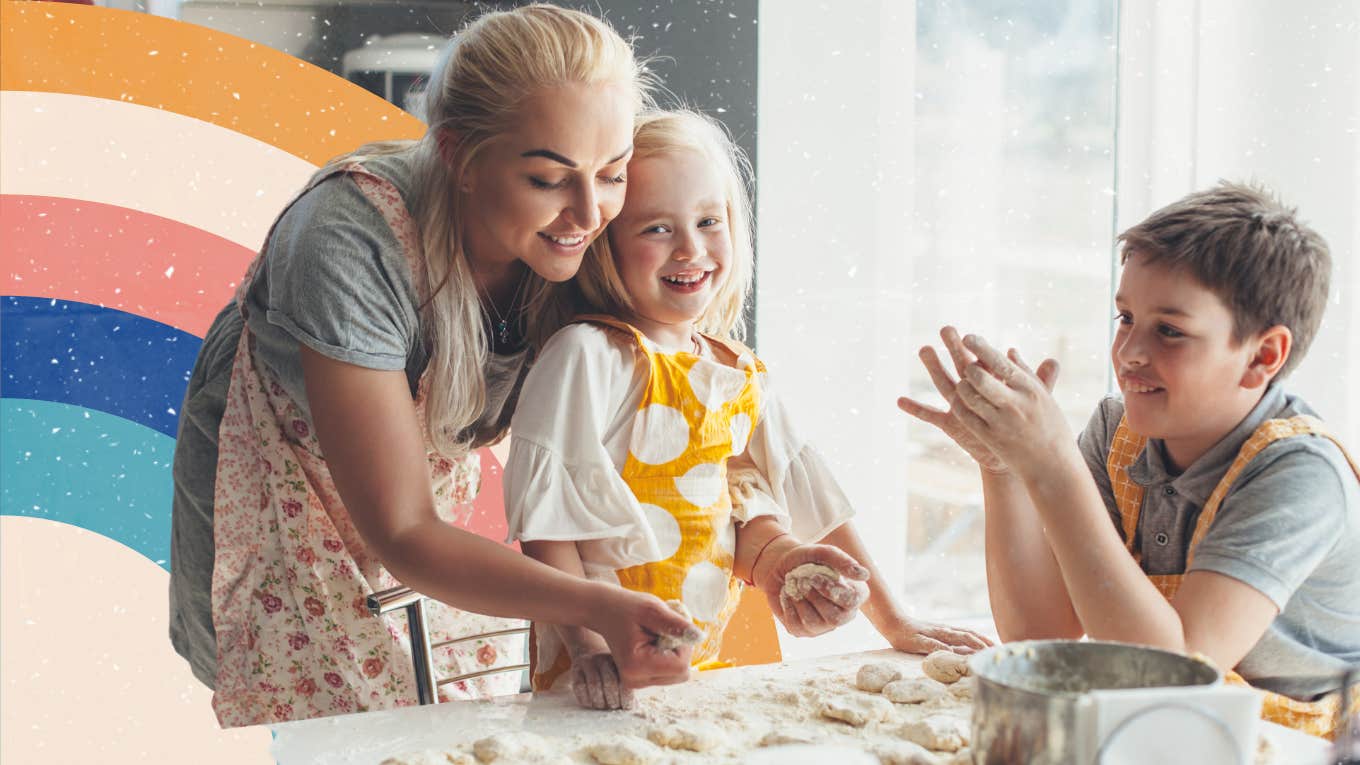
column 1123, row 317
column 539, row 183
column 1169, row 331
column 659, row 228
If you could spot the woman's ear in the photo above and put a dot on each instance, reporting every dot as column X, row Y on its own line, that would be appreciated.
column 447, row 140
column 1272, row 351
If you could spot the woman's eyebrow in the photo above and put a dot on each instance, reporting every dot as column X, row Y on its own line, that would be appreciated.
column 554, row 156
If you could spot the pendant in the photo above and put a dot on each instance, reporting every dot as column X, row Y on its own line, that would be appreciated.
column 503, row 331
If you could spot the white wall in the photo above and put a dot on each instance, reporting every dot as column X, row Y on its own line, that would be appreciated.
column 835, row 170
column 1255, row 90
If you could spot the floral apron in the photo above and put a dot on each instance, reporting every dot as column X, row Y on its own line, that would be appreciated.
column 295, row 638
column 1317, row 717
column 694, row 415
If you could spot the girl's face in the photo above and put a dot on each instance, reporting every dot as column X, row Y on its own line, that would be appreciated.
column 671, row 243
column 543, row 191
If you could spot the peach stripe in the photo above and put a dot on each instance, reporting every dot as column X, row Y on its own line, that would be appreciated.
column 197, row 72
column 131, row 261
column 145, row 159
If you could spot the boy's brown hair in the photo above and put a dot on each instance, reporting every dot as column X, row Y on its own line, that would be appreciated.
column 1250, row 250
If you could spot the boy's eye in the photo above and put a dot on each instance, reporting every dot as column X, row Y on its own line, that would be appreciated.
column 539, row 183
column 710, row 221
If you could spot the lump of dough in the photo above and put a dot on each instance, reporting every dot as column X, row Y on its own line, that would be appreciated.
column 513, row 746
column 671, row 642
column 874, row 675
column 798, row 582
column 693, row 735
column 622, row 749
column 937, row 733
column 783, row 736
column 964, row 688
column 855, row 710
column 432, row 758
column 946, row 666
column 961, row 757
column 903, row 753
column 913, row 690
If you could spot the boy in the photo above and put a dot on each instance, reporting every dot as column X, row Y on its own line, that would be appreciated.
column 1206, row 510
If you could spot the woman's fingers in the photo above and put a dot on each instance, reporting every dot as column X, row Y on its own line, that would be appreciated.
column 610, row 685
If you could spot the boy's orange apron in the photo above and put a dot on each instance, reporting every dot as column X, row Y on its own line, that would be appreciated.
column 1314, row 717
column 717, row 404
column 291, row 574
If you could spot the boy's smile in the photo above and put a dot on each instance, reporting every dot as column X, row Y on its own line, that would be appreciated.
column 1183, row 375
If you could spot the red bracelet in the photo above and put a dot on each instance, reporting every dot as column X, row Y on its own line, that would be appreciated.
column 762, row 552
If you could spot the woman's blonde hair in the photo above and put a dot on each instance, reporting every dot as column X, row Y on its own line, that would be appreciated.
column 482, row 77
column 598, row 288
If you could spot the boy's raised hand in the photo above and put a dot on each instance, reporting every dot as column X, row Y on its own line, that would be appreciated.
column 1008, row 407
column 950, row 421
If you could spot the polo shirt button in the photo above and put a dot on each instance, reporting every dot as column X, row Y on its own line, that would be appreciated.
column 1169, row 490
column 1162, row 538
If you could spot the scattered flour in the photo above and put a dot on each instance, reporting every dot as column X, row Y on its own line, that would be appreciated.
column 938, row 733
column 693, row 735
column 517, row 746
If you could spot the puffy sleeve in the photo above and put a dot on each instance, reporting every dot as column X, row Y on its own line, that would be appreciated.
column 561, row 482
column 782, row 475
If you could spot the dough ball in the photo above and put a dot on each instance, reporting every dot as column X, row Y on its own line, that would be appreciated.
column 692, row 735
column 874, row 675
column 671, row 642
column 914, row 690
column 513, row 746
column 799, row 581
column 937, row 733
column 786, row 736
column 855, row 710
column 903, row 753
column 963, row 689
column 946, row 666
column 621, row 749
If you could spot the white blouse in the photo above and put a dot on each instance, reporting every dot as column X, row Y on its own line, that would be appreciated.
column 569, row 442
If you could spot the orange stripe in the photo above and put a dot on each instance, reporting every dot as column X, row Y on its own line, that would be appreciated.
column 200, row 73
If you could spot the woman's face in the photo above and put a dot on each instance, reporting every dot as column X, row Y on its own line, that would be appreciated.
column 543, row 191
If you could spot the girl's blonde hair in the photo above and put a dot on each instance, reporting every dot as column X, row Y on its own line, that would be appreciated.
column 475, row 90
column 598, row 288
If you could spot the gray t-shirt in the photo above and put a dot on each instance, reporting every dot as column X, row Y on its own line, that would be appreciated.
column 1289, row 527
column 336, row 279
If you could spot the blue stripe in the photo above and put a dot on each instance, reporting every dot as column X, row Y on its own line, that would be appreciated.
column 98, row 358
column 88, row 469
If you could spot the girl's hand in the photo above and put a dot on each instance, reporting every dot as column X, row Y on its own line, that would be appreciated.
column 629, row 622
column 912, row 636
column 949, row 421
column 831, row 602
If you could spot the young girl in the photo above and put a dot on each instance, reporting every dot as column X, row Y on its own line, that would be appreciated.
column 619, row 459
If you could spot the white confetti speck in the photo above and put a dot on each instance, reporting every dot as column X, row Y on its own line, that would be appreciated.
column 169, row 272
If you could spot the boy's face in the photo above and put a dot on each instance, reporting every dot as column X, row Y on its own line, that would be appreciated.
column 671, row 242
column 1182, row 374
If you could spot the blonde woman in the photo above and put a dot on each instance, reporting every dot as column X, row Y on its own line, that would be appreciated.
column 377, row 339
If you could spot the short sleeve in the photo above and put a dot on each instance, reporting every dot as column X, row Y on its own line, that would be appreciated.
column 798, row 479
column 338, row 280
column 560, row 481
column 1280, row 520
column 1094, row 444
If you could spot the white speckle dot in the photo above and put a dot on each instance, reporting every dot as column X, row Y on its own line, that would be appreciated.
column 660, row 434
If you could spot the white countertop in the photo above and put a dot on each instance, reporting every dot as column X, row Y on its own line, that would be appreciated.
column 367, row 739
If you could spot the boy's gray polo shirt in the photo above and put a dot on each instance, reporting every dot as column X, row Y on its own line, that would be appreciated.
column 1289, row 527
column 335, row 279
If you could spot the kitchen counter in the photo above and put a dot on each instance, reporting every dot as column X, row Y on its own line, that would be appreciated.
column 367, row 739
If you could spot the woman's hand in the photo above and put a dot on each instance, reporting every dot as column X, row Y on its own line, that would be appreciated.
column 951, row 421
column 594, row 675
column 829, row 604
column 629, row 623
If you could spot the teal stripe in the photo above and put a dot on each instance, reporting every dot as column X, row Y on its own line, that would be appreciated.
column 89, row 469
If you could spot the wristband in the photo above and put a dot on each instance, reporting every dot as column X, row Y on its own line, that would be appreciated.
column 756, row 562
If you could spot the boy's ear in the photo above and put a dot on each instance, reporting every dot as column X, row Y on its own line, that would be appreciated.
column 1272, row 351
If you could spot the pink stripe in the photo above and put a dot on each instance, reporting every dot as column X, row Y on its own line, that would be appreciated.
column 132, row 261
